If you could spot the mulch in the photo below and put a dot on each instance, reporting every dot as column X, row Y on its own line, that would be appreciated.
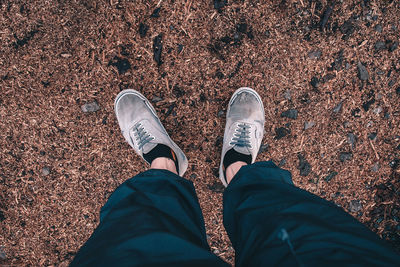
column 328, row 73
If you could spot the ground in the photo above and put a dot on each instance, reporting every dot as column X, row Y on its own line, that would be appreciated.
column 328, row 75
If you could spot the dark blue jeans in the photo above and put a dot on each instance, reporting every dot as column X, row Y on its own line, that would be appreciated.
column 154, row 219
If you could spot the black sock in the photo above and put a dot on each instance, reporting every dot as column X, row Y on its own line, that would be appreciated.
column 159, row 151
column 233, row 156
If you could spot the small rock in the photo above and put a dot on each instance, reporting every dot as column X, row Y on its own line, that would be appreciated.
column 377, row 110
column 362, row 72
column 45, row 171
column 291, row 114
column 143, row 28
column 157, row 49
column 380, row 72
column 347, row 29
column 355, row 206
column 288, row 94
column 2, row 217
column 219, row 4
column 216, row 187
column 372, row 136
column 351, row 139
column 304, row 166
column 220, row 113
column 314, row 82
column 104, row 120
column 193, row 176
column 316, row 54
column 241, row 27
column 375, row 167
column 122, row 64
column 393, row 46
column 389, row 73
column 378, row 28
column 180, row 48
column 219, row 75
column 90, row 107
column 282, row 163
column 178, row 92
column 156, row 13
column 308, row 124
column 337, row 64
column 281, row 132
column 2, row 253
column 263, row 148
column 367, row 104
column 343, row 156
column 398, row 90
column 330, row 176
column 267, row 33
column 379, row 45
column 338, row 107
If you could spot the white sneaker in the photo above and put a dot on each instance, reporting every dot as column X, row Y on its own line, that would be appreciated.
column 244, row 127
column 141, row 126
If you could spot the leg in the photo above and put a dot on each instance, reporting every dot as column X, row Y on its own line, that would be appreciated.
column 153, row 218
column 272, row 222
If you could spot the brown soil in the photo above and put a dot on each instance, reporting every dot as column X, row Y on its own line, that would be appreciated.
column 58, row 164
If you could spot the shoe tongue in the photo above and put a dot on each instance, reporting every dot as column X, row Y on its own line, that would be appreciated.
column 242, row 150
column 147, row 147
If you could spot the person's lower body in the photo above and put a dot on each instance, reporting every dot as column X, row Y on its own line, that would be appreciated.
column 155, row 219
column 270, row 222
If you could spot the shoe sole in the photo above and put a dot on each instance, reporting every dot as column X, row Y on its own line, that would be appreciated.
column 238, row 91
column 183, row 168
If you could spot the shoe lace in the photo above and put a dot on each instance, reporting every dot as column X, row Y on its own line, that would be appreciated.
column 141, row 135
column 241, row 137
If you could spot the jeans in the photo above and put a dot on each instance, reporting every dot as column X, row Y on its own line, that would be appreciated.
column 154, row 219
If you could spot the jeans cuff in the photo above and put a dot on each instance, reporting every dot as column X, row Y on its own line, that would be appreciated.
column 261, row 171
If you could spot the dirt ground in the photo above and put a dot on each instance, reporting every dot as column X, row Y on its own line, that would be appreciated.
column 328, row 74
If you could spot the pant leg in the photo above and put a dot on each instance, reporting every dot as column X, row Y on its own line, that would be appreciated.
column 153, row 219
column 273, row 223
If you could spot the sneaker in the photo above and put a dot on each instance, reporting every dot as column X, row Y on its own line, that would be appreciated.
column 244, row 127
column 142, row 128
